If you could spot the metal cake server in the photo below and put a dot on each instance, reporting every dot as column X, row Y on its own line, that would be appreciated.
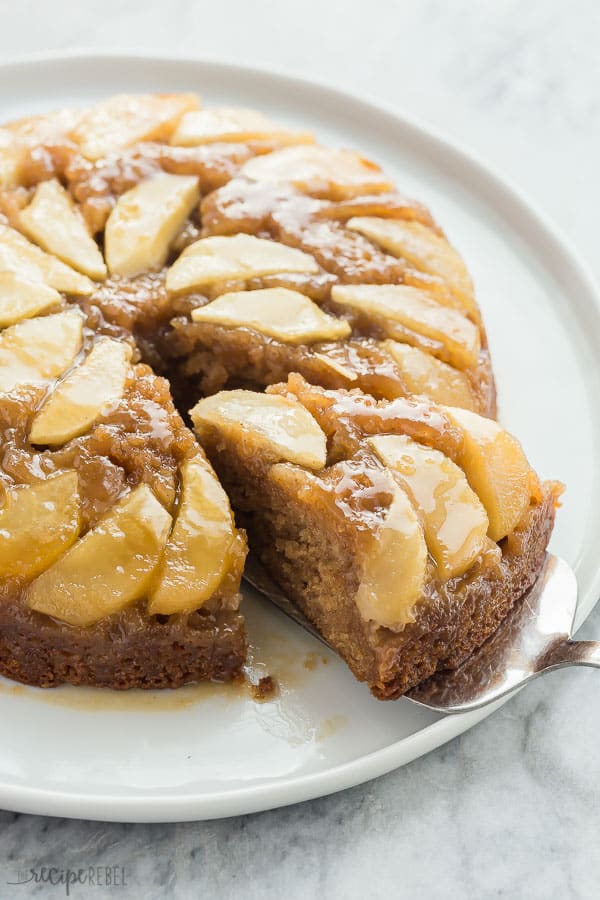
column 532, row 640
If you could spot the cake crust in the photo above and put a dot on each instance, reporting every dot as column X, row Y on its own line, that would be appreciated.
column 134, row 653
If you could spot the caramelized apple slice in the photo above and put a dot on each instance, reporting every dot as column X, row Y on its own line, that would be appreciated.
column 52, row 221
column 145, row 221
column 454, row 520
column 196, row 557
column 48, row 130
column 11, row 158
column 21, row 299
column 425, row 250
column 84, row 394
column 240, row 256
column 411, row 308
column 276, row 426
column 38, row 350
column 394, row 561
column 110, row 567
column 123, row 120
column 320, row 171
column 206, row 126
column 19, row 255
column 424, row 374
column 496, row 468
column 337, row 367
column 38, row 523
column 279, row 313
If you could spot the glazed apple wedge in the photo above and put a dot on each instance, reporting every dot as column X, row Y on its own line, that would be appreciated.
column 52, row 221
column 197, row 554
column 19, row 255
column 454, row 520
column 318, row 171
column 21, row 298
column 110, row 567
column 426, row 250
column 125, row 119
column 430, row 377
column 11, row 159
column 240, row 256
column 279, row 427
column 84, row 394
column 38, row 523
column 37, row 350
column 145, row 221
column 497, row 470
column 207, row 126
column 408, row 314
column 279, row 313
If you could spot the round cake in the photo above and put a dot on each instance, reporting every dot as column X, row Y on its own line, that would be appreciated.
column 157, row 255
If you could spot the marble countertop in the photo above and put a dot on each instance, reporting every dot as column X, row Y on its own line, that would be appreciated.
column 512, row 808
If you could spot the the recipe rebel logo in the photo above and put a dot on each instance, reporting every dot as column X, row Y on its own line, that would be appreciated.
column 56, row 876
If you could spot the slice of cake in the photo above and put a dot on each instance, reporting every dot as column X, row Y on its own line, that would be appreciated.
column 403, row 530
column 120, row 563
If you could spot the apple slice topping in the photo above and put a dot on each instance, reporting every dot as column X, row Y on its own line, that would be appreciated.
column 196, row 557
column 425, row 250
column 424, row 374
column 455, row 338
column 454, row 520
column 394, row 561
column 125, row 119
column 239, row 256
column 37, row 350
column 206, row 126
column 21, row 299
column 319, row 171
column 19, row 255
column 11, row 158
column 145, row 221
column 110, row 567
column 286, row 315
column 52, row 221
column 84, row 394
column 496, row 468
column 336, row 366
column 278, row 427
column 38, row 523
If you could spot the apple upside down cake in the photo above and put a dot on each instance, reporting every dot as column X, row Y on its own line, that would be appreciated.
column 327, row 336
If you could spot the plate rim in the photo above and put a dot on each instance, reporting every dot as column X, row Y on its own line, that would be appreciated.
column 538, row 230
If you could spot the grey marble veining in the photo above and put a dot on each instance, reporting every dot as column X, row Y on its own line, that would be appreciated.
column 512, row 808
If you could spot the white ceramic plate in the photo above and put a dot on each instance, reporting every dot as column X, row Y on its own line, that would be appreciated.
column 212, row 751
